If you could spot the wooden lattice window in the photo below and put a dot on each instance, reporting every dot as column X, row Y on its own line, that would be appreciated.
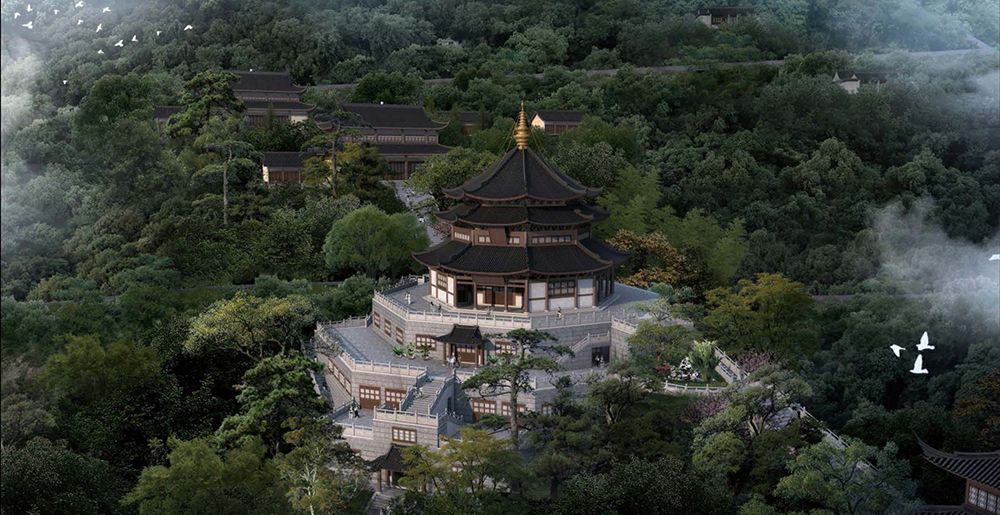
column 404, row 436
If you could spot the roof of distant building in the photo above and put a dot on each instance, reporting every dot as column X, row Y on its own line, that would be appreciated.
column 264, row 81
column 393, row 116
column 278, row 105
column 983, row 467
column 164, row 112
column 504, row 215
column 289, row 160
column 559, row 116
column 387, row 149
column 862, row 76
column 726, row 11
column 469, row 117
column 391, row 460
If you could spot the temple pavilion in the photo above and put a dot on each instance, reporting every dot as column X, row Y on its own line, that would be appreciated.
column 520, row 239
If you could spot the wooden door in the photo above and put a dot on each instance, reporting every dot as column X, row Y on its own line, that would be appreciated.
column 394, row 398
column 468, row 354
column 370, row 396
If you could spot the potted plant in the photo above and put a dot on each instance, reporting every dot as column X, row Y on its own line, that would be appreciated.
column 411, row 350
column 398, row 350
column 425, row 353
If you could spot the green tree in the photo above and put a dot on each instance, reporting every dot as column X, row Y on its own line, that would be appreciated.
column 465, row 466
column 323, row 474
column 449, row 170
column 374, row 243
column 388, row 87
column 206, row 93
column 251, row 325
column 509, row 373
column 770, row 314
column 200, row 480
column 41, row 476
column 276, row 389
column 857, row 479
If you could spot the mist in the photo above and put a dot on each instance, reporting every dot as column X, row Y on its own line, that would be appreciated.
column 919, row 258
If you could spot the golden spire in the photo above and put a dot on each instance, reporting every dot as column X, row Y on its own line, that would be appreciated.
column 521, row 131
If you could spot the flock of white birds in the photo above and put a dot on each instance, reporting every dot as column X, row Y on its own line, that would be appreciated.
column 30, row 25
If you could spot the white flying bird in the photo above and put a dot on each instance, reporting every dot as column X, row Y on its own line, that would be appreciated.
column 925, row 343
column 28, row 8
column 100, row 26
column 188, row 27
column 30, row 25
column 106, row 10
column 159, row 32
column 120, row 43
column 918, row 365
column 101, row 52
column 55, row 11
column 995, row 257
column 135, row 39
column 896, row 349
column 17, row 15
column 65, row 82
column 78, row 4
column 79, row 22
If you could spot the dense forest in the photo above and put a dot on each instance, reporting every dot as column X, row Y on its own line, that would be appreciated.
column 151, row 334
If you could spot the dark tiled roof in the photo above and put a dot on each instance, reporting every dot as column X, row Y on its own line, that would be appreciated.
column 416, row 149
column 264, row 81
column 604, row 251
column 463, row 334
column 726, row 11
column 478, row 215
column 290, row 160
column 391, row 115
column 278, row 105
column 941, row 510
column 391, row 460
column 865, row 77
column 983, row 467
column 503, row 260
column 560, row 116
column 164, row 112
column 522, row 174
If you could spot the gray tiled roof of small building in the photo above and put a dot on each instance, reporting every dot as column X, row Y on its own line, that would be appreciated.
column 411, row 149
column 557, row 115
column 264, row 81
column 462, row 334
column 166, row 111
column 726, row 10
column 284, row 105
column 983, row 467
column 393, row 115
column 283, row 159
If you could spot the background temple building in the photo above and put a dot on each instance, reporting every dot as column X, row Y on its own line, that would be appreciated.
column 981, row 472
column 555, row 121
column 282, row 167
column 715, row 16
column 520, row 255
column 263, row 92
column 403, row 134
column 852, row 81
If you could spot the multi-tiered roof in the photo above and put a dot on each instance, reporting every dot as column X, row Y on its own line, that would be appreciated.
column 522, row 191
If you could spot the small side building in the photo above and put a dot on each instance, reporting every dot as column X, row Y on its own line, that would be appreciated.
column 283, row 167
column 852, row 81
column 715, row 17
column 403, row 134
column 556, row 122
column 472, row 121
column 162, row 114
column 262, row 92
column 981, row 472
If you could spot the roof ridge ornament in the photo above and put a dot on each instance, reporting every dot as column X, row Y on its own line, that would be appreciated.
column 521, row 131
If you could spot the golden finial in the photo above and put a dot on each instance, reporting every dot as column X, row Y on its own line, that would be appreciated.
column 521, row 132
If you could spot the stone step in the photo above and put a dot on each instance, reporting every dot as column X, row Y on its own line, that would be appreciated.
column 429, row 393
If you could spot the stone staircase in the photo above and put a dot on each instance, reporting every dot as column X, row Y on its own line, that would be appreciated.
column 429, row 393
